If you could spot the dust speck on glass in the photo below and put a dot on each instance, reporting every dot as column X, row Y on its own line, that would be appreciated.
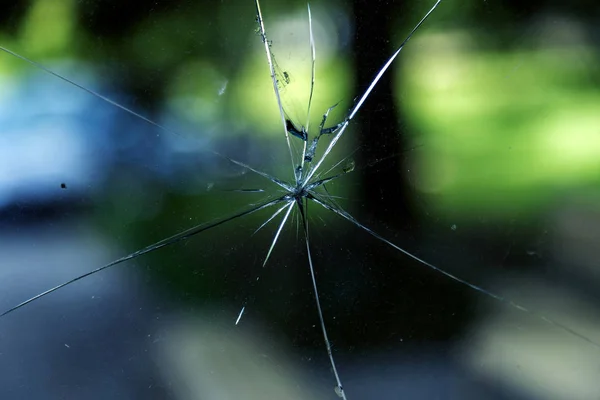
column 281, row 179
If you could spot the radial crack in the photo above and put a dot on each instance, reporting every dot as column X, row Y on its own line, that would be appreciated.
column 367, row 93
column 263, row 34
column 312, row 82
column 135, row 114
column 303, row 212
column 350, row 218
column 270, row 219
column 283, row 221
column 155, row 246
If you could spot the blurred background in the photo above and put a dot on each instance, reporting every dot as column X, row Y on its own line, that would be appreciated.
column 479, row 152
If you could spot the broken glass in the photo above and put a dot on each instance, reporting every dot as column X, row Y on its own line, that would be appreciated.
column 189, row 163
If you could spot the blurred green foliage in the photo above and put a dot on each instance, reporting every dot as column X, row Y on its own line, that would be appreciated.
column 498, row 130
column 503, row 131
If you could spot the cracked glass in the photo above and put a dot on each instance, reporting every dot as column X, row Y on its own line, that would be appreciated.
column 244, row 200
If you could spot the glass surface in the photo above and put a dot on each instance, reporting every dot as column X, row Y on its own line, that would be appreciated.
column 452, row 221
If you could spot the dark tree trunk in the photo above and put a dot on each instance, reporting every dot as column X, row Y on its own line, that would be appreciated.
column 385, row 188
column 402, row 298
